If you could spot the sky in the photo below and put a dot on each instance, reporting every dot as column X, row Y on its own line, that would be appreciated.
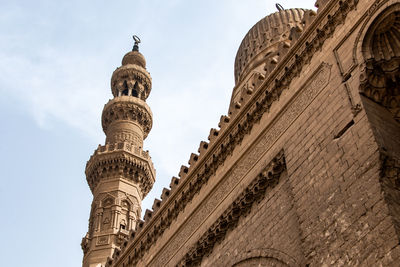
column 56, row 62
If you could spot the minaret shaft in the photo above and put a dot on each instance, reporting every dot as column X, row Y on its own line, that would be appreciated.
column 125, row 131
column 120, row 173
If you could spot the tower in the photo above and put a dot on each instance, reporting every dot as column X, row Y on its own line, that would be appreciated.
column 120, row 173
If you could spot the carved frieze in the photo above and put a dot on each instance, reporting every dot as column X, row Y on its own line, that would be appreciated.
column 253, row 193
column 121, row 160
column 127, row 76
column 103, row 240
column 130, row 109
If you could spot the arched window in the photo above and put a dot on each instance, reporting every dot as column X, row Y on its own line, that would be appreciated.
column 126, row 90
column 135, row 90
column 124, row 218
column 107, row 213
column 380, row 80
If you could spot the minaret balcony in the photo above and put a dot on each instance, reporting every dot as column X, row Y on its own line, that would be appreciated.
column 121, row 160
column 131, row 74
column 123, row 146
column 127, row 108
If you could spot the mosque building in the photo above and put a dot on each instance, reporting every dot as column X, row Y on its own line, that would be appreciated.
column 303, row 170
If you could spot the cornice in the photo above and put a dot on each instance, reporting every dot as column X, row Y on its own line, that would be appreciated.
column 127, row 108
column 121, row 159
column 131, row 71
column 241, row 206
column 232, row 131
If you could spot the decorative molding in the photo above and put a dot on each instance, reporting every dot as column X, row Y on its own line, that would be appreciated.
column 121, row 160
column 102, row 240
column 127, row 108
column 241, row 206
column 348, row 64
column 130, row 74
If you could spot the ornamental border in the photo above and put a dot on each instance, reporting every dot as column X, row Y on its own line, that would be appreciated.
column 256, row 191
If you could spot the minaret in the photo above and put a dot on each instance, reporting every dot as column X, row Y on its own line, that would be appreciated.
column 120, row 173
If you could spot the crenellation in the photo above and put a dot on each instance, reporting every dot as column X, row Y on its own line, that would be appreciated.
column 202, row 148
column 183, row 172
column 223, row 121
column 193, row 159
column 174, row 183
column 308, row 18
column 147, row 215
column 140, row 225
column 156, row 204
column 165, row 194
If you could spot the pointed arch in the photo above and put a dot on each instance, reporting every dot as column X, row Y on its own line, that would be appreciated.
column 380, row 78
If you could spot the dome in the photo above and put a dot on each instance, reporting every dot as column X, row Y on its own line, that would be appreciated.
column 265, row 34
column 134, row 57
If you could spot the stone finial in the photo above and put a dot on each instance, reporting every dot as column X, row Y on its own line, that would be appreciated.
column 137, row 42
column 279, row 7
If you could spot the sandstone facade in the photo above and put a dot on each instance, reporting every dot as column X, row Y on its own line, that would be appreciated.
column 304, row 170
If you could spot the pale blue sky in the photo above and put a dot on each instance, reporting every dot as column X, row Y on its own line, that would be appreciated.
column 56, row 61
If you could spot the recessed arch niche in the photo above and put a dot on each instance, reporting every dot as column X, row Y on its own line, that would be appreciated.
column 380, row 95
column 380, row 78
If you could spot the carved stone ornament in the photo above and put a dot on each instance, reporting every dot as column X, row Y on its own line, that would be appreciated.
column 103, row 240
column 131, row 74
column 380, row 77
column 253, row 193
column 130, row 109
column 85, row 244
column 117, row 161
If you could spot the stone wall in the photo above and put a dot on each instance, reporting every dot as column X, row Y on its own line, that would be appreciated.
column 345, row 188
column 268, row 234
